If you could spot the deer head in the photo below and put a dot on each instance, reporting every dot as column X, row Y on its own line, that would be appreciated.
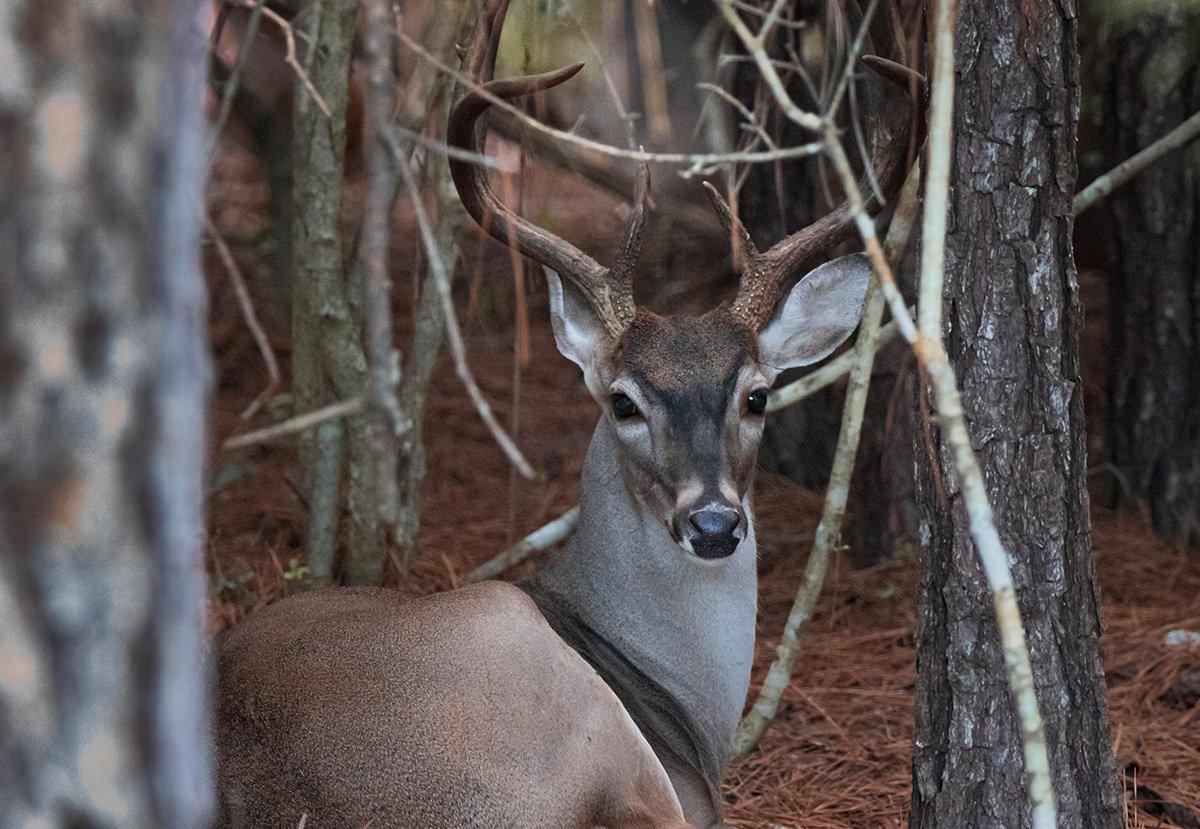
column 685, row 395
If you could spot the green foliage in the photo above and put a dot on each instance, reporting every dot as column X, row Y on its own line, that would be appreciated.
column 297, row 574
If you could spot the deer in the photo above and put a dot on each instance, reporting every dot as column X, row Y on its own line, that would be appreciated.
column 603, row 690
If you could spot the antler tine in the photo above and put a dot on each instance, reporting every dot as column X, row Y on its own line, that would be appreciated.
column 766, row 273
column 631, row 246
column 471, row 181
column 743, row 249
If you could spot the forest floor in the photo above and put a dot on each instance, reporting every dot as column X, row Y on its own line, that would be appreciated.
column 838, row 753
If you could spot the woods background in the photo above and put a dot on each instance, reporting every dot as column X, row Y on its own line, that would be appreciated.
column 360, row 403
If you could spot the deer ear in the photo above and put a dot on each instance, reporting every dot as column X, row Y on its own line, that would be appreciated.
column 580, row 336
column 817, row 316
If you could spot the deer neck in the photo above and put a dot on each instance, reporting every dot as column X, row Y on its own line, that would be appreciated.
column 685, row 623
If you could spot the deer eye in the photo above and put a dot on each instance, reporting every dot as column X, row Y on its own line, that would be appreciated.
column 623, row 407
column 756, row 401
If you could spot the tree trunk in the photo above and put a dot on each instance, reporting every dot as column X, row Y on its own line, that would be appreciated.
column 327, row 354
column 104, row 380
column 1012, row 331
column 1154, row 373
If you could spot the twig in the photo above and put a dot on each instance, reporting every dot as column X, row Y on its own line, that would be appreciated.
column 246, row 305
column 697, row 161
column 826, row 375
column 299, row 423
column 754, row 46
column 442, row 148
column 235, row 77
column 1100, row 188
column 454, row 334
column 540, row 539
column 289, row 37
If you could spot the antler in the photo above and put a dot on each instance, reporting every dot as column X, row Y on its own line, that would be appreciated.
column 764, row 274
column 609, row 294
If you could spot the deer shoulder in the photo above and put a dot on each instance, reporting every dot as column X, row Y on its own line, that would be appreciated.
column 365, row 706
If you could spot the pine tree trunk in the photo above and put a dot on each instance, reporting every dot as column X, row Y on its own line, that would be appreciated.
column 104, row 380
column 1153, row 431
column 1012, row 331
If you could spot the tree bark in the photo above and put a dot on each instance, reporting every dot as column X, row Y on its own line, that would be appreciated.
column 327, row 353
column 104, row 380
column 1012, row 328
column 1152, row 429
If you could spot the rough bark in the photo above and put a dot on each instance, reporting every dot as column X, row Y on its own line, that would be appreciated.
column 1152, row 428
column 104, row 379
column 1012, row 328
column 327, row 353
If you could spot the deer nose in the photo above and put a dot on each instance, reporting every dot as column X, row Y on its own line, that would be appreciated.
column 714, row 531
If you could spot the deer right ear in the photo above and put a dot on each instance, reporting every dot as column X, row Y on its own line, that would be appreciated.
column 817, row 316
column 579, row 334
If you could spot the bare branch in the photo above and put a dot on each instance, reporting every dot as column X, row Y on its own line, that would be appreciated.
column 289, row 37
column 540, row 539
column 1100, row 189
column 454, row 334
column 698, row 162
column 930, row 350
column 246, row 305
column 296, row 424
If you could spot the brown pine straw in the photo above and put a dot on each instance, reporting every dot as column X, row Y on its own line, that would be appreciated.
column 838, row 755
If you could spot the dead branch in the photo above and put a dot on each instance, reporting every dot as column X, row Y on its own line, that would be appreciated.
column 454, row 334
column 697, row 163
column 289, row 37
column 540, row 539
column 250, row 316
column 1103, row 186
column 294, row 425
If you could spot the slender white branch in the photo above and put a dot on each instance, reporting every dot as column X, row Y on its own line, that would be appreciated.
column 296, row 424
column 937, row 181
column 540, row 539
column 766, row 68
column 454, row 335
column 1099, row 189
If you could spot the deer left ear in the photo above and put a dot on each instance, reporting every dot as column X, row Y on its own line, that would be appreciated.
column 819, row 313
column 578, row 333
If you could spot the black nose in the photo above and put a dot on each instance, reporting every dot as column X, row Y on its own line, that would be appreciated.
column 715, row 532
column 714, row 521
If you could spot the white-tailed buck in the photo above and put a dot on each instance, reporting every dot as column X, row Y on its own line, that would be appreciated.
column 604, row 691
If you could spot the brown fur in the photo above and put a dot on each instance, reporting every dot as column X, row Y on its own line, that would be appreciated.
column 365, row 706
